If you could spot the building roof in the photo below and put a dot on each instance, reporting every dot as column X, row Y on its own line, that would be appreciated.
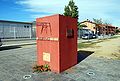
column 99, row 25
column 88, row 21
column 15, row 22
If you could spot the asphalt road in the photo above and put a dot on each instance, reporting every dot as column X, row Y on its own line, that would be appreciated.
column 15, row 62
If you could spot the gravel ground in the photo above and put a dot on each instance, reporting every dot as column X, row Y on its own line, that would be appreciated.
column 109, row 49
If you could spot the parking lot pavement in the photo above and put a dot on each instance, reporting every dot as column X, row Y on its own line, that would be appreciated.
column 17, row 62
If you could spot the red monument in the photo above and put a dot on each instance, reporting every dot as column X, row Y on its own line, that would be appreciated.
column 57, row 42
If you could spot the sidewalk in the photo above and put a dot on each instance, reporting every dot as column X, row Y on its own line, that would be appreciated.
column 21, row 44
column 18, row 39
column 17, row 42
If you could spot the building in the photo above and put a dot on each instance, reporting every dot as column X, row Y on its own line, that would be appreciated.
column 99, row 28
column 89, row 25
column 107, row 29
column 14, row 29
column 34, row 29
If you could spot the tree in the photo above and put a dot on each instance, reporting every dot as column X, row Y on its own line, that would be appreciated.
column 117, row 31
column 67, row 11
column 107, row 23
column 98, row 21
column 71, row 10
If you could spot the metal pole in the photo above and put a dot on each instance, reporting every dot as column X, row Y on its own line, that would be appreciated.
column 30, row 32
column 14, row 33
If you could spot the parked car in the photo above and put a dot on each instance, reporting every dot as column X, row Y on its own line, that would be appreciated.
column 86, row 33
column 0, row 42
column 95, row 36
column 89, row 36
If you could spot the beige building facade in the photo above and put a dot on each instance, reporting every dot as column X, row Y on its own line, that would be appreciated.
column 99, row 28
column 89, row 25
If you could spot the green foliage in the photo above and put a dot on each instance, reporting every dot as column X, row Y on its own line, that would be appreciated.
column 98, row 21
column 71, row 10
column 41, row 68
column 84, row 45
column 117, row 31
column 46, row 66
column 88, row 44
column 107, row 23
column 67, row 11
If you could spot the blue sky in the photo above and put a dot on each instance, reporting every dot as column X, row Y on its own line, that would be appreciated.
column 29, row 10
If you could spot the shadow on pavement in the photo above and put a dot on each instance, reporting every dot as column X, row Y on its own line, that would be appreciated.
column 9, row 47
column 83, row 54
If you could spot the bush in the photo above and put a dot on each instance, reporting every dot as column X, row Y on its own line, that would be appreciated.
column 41, row 68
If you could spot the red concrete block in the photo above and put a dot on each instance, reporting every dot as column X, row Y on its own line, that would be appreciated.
column 57, row 42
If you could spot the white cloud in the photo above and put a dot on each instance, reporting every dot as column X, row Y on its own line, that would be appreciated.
column 52, row 6
column 87, row 8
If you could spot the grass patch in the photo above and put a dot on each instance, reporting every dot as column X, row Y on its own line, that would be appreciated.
column 117, row 55
column 88, row 44
column 113, row 37
column 93, row 43
column 85, row 45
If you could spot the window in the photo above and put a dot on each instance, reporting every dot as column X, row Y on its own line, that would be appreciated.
column 12, row 28
column 27, row 26
column 24, row 26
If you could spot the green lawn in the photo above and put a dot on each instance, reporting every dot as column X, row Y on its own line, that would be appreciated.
column 91, row 44
column 85, row 45
column 88, row 44
column 113, row 37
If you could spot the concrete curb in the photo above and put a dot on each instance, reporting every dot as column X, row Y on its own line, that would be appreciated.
column 6, row 40
column 22, row 44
